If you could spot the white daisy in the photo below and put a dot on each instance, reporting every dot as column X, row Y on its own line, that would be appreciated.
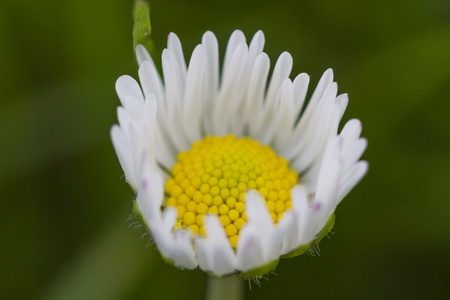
column 232, row 170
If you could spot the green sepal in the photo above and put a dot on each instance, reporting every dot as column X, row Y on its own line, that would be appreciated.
column 168, row 260
column 260, row 271
column 138, row 214
column 219, row 276
column 302, row 249
column 296, row 252
column 326, row 229
column 142, row 27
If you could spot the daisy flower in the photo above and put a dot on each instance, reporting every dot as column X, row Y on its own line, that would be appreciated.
column 233, row 170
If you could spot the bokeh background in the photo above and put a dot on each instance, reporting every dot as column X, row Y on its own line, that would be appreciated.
column 65, row 207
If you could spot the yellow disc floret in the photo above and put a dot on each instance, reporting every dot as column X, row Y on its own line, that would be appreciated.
column 214, row 175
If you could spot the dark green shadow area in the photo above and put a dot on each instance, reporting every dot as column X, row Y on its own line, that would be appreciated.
column 65, row 206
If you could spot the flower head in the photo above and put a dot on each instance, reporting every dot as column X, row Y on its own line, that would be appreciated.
column 232, row 170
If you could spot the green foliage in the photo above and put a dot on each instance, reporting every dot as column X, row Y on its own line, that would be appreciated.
column 142, row 26
column 65, row 206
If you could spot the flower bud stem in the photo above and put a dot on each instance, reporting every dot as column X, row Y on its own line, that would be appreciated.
column 229, row 288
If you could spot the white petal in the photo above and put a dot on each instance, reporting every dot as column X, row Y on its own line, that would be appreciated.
column 256, row 210
column 282, row 117
column 228, row 101
column 183, row 253
column 330, row 170
column 169, row 218
column 259, row 242
column 216, row 254
column 351, row 131
column 127, row 86
column 291, row 226
column 174, row 91
column 123, row 153
column 310, row 217
column 309, row 138
column 160, row 229
column 203, row 255
column 357, row 173
column 236, row 38
column 152, row 85
column 134, row 107
column 250, row 253
column 211, row 47
column 174, row 45
column 150, row 192
column 353, row 154
column 174, row 87
column 314, row 151
column 237, row 122
column 342, row 101
column 301, row 83
column 281, row 71
column 288, row 230
column 253, row 114
column 256, row 45
column 193, row 95
column 324, row 82
column 209, row 41
column 143, row 55
column 175, row 246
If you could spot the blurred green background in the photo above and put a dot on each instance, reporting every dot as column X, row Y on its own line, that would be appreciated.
column 65, row 207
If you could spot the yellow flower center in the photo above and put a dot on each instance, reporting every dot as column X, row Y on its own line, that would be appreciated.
column 214, row 175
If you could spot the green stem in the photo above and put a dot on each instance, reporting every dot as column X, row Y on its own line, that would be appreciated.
column 142, row 28
column 229, row 288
